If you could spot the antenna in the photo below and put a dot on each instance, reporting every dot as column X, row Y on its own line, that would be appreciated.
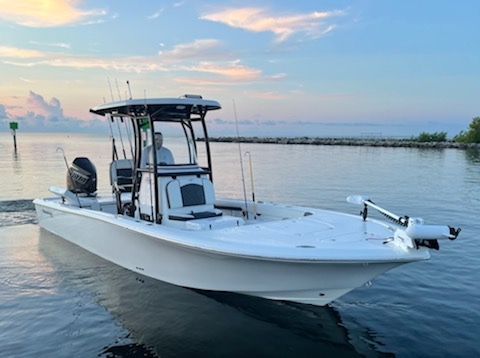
column 241, row 159
column 118, row 90
column 129, row 90
column 110, row 86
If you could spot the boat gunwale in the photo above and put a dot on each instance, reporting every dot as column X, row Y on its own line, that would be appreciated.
column 150, row 230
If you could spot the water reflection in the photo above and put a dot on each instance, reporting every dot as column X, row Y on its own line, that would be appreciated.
column 426, row 153
column 16, row 162
column 173, row 321
column 472, row 155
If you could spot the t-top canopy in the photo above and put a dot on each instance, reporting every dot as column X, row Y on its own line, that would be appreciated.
column 159, row 108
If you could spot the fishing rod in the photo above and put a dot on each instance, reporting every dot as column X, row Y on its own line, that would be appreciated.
column 121, row 137
column 241, row 159
column 127, row 125
column 129, row 136
column 252, row 184
column 109, row 119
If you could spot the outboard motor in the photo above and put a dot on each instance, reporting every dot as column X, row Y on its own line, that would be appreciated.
column 82, row 177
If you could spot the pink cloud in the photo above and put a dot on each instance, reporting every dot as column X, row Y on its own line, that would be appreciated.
column 50, row 109
column 254, row 19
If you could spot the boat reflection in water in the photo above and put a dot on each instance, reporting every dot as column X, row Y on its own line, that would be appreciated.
column 167, row 320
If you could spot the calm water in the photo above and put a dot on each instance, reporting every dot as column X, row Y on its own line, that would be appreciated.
column 57, row 299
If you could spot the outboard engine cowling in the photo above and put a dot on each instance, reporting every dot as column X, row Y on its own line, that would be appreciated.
column 82, row 177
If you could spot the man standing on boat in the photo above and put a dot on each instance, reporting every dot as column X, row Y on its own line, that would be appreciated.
column 164, row 155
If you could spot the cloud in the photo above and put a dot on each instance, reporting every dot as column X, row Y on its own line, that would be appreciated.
column 200, row 56
column 270, row 95
column 248, row 122
column 14, row 52
column 3, row 112
column 29, row 58
column 220, row 121
column 34, row 113
column 254, row 19
column 54, row 44
column 292, row 128
column 155, row 15
column 135, row 64
column 51, row 109
column 207, row 56
column 232, row 69
column 27, row 80
column 198, row 49
column 45, row 13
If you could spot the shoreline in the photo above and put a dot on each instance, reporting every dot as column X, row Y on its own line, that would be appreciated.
column 360, row 142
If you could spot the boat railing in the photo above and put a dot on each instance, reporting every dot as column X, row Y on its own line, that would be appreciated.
column 177, row 170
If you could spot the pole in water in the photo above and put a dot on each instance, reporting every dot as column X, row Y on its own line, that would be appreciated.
column 14, row 127
column 15, row 140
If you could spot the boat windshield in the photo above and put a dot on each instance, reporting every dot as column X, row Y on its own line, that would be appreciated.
column 175, row 144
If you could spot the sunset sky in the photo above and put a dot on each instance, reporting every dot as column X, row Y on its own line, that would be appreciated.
column 296, row 68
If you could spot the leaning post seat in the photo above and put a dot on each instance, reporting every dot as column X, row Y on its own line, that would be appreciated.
column 121, row 179
column 190, row 197
column 121, row 175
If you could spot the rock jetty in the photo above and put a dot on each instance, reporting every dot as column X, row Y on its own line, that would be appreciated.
column 363, row 142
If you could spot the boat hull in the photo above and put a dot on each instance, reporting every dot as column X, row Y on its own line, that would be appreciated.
column 113, row 238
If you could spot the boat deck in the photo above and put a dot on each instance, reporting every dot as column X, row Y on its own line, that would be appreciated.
column 279, row 232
